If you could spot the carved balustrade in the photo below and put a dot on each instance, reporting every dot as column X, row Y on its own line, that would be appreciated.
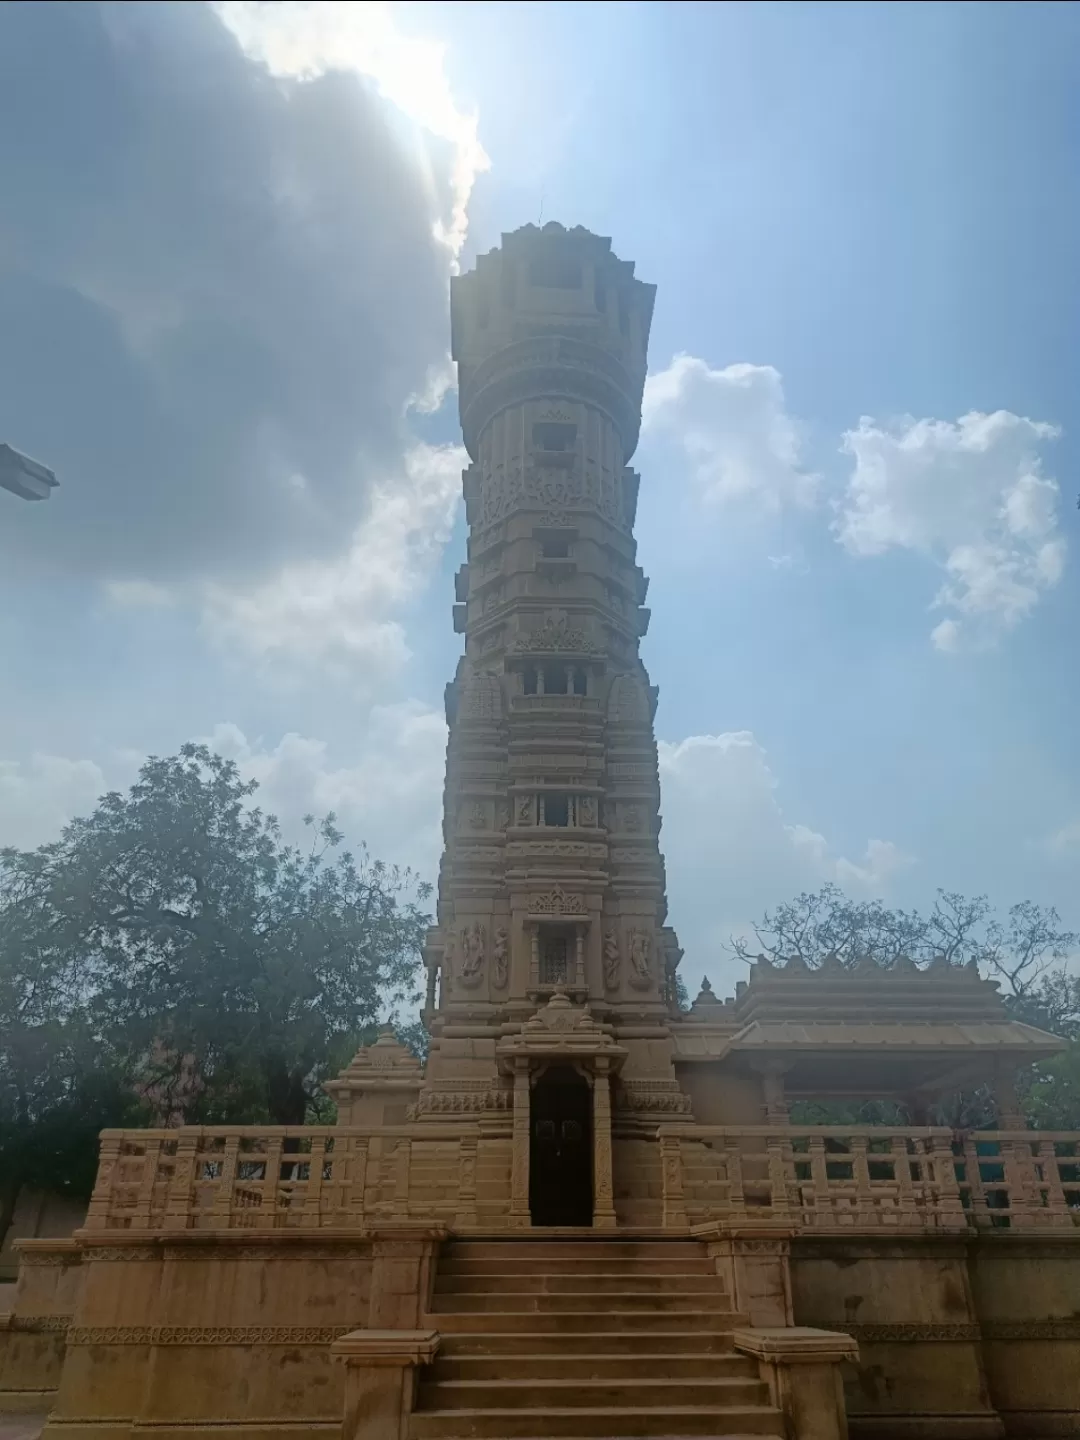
column 269, row 1178
column 867, row 1178
column 1019, row 1179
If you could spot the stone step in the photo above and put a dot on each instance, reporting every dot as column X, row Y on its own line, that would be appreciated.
column 570, row 1264
column 577, row 1321
column 580, row 1281
column 603, row 1424
column 651, row 1301
column 640, row 1394
column 574, row 1364
column 507, row 1347
column 573, row 1249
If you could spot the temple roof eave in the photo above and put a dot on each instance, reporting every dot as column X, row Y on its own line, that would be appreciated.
column 871, row 1037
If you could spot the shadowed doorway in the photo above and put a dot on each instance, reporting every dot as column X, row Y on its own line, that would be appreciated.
column 560, row 1149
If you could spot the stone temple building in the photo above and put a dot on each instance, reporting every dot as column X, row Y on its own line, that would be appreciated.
column 590, row 1213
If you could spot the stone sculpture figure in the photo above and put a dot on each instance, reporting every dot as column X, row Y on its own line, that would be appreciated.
column 472, row 954
column 640, row 959
column 612, row 961
column 501, row 958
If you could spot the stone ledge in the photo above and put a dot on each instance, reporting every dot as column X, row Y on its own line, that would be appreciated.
column 387, row 1347
column 796, row 1344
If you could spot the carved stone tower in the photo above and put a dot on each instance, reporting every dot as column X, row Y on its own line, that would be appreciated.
column 552, row 878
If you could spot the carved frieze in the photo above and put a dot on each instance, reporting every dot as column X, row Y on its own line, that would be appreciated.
column 557, row 901
column 554, row 635
column 555, row 849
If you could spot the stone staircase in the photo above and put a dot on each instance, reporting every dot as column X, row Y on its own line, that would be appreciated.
column 586, row 1338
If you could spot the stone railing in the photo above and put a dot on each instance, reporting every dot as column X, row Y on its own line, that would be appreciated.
column 870, row 1177
column 270, row 1178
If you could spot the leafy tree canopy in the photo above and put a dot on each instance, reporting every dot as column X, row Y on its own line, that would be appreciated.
column 172, row 945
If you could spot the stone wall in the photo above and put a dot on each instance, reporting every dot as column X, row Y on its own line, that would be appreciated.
column 39, row 1215
column 959, row 1336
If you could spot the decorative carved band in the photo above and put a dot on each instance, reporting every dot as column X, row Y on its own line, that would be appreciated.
column 902, row 1334
column 120, row 1252
column 40, row 1323
column 999, row 1330
column 1033, row 1330
column 463, row 1102
column 206, row 1334
column 48, row 1257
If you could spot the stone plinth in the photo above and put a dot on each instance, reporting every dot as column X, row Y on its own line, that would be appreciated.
column 380, row 1380
column 802, row 1369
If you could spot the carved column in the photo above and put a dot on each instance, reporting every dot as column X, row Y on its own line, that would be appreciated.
column 519, row 1167
column 579, row 956
column 534, row 957
column 431, row 975
column 603, row 1193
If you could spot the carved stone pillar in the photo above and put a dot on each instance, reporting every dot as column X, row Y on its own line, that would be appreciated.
column 777, row 1110
column 432, row 972
column 519, row 1167
column 579, row 957
column 603, row 1193
column 1009, row 1112
column 534, row 957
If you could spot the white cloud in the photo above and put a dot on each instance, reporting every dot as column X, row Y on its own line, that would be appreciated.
column 734, row 429
column 970, row 496
column 731, row 853
column 1066, row 841
column 38, row 798
column 345, row 615
column 390, row 797
column 305, row 40
column 388, row 793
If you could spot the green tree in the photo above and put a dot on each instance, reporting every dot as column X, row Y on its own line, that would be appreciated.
column 59, row 1085
column 230, row 971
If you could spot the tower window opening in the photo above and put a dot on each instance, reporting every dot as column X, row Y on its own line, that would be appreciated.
column 555, row 272
column 581, row 681
column 554, row 960
column 600, row 295
column 555, row 809
column 554, row 435
column 555, row 549
column 529, row 680
column 555, row 680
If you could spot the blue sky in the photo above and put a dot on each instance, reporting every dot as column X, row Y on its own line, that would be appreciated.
column 223, row 276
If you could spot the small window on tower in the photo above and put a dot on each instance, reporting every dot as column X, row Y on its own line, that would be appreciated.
column 554, row 960
column 556, row 809
column 529, row 677
column 552, row 435
column 581, row 681
column 555, row 678
column 555, row 549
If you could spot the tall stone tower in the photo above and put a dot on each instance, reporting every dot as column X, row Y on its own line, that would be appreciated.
column 552, row 882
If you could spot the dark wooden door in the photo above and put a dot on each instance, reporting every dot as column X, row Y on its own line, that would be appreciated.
column 560, row 1152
